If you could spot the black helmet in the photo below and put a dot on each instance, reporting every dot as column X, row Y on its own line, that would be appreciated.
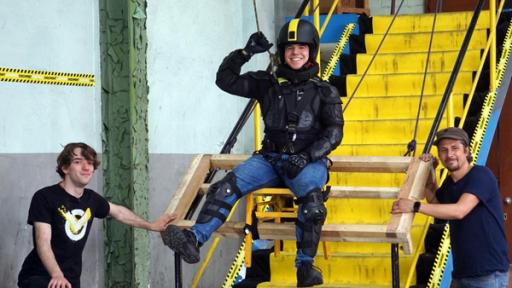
column 298, row 31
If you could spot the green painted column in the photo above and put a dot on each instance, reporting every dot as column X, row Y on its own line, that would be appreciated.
column 124, row 101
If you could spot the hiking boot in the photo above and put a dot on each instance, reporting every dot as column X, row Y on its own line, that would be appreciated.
column 183, row 242
column 308, row 275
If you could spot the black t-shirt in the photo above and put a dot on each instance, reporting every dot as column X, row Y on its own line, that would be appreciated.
column 71, row 220
column 478, row 240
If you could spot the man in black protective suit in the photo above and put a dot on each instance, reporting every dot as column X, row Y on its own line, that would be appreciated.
column 303, row 124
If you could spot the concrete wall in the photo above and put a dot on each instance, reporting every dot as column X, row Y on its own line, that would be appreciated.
column 53, row 35
column 187, row 42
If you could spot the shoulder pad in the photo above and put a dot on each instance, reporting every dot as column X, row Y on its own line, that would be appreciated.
column 329, row 93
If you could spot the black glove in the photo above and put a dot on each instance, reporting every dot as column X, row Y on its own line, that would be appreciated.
column 257, row 43
column 295, row 164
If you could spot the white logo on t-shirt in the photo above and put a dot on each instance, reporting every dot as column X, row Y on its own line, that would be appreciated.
column 76, row 222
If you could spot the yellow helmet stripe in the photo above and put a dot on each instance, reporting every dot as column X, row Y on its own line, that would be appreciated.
column 292, row 30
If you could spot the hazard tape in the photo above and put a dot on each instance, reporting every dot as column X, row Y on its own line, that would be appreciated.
column 235, row 268
column 476, row 142
column 438, row 270
column 239, row 261
column 441, row 258
column 335, row 56
column 44, row 77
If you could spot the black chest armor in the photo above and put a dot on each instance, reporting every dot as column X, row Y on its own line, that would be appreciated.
column 291, row 116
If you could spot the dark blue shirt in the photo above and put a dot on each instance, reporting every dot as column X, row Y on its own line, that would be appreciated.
column 478, row 240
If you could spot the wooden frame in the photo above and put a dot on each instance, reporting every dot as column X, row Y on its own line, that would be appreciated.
column 419, row 173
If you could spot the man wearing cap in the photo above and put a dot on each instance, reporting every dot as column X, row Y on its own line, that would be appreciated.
column 469, row 199
column 303, row 124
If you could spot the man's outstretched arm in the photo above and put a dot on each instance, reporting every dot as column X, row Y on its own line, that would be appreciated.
column 126, row 216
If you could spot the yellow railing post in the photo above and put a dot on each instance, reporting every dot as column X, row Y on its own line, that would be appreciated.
column 492, row 56
column 316, row 22
column 328, row 17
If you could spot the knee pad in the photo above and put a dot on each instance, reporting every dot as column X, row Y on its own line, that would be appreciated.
column 314, row 212
column 313, row 207
column 216, row 199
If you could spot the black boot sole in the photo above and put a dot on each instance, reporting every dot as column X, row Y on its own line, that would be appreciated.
column 176, row 240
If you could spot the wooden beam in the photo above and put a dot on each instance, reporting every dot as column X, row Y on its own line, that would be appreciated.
column 364, row 192
column 336, row 192
column 386, row 164
column 189, row 186
column 330, row 232
column 413, row 188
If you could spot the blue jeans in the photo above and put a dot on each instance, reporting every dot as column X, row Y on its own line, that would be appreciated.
column 493, row 280
column 256, row 173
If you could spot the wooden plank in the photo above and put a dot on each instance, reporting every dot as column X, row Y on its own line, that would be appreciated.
column 189, row 186
column 227, row 161
column 413, row 188
column 387, row 164
column 336, row 192
column 364, row 192
column 330, row 232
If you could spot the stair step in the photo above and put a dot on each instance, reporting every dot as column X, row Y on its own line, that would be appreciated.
column 414, row 62
column 363, row 179
column 385, row 131
column 407, row 84
column 447, row 21
column 400, row 107
column 359, row 211
column 347, row 269
column 379, row 149
column 419, row 42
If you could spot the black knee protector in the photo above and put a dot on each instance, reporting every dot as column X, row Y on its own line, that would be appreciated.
column 314, row 212
column 216, row 199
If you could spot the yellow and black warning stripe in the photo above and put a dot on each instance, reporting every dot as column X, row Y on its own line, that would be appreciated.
column 235, row 268
column 45, row 77
column 335, row 56
column 441, row 258
column 490, row 99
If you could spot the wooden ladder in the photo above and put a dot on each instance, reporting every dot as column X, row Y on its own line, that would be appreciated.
column 397, row 231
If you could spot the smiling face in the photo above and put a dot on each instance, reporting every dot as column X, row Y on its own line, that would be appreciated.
column 296, row 55
column 453, row 154
column 79, row 172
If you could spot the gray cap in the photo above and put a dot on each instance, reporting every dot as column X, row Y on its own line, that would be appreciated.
column 452, row 133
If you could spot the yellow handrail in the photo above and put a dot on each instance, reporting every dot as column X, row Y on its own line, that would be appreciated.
column 328, row 17
column 316, row 21
column 480, row 68
column 492, row 36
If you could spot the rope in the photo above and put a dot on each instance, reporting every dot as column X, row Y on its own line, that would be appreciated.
column 272, row 57
column 373, row 57
column 411, row 146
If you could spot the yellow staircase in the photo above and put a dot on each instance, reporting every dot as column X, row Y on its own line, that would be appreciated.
column 380, row 121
